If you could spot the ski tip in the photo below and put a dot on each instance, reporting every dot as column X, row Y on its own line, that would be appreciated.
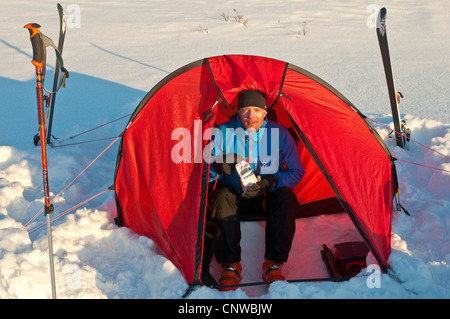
column 60, row 9
column 381, row 22
column 382, row 13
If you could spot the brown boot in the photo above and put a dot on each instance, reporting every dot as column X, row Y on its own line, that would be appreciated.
column 272, row 271
column 230, row 276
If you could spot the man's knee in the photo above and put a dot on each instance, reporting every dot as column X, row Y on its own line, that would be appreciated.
column 283, row 199
column 224, row 203
column 283, row 195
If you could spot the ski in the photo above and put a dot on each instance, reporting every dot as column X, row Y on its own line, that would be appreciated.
column 384, row 48
column 52, row 96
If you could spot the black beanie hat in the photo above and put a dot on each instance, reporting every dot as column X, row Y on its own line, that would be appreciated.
column 251, row 98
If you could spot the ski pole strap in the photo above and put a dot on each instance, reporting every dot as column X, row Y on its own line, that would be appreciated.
column 64, row 73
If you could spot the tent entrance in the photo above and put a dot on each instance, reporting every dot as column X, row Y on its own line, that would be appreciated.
column 314, row 192
column 321, row 219
column 305, row 261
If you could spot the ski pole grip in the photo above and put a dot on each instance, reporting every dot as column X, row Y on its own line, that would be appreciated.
column 37, row 44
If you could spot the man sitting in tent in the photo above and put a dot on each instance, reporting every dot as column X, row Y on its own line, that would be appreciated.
column 273, row 157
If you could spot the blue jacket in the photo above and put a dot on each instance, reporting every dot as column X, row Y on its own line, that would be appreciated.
column 270, row 150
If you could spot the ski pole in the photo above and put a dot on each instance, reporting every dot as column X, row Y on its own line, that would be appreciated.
column 39, row 63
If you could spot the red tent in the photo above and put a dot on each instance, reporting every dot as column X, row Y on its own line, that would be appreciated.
column 348, row 166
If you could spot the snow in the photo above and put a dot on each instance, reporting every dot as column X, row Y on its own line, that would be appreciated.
column 117, row 51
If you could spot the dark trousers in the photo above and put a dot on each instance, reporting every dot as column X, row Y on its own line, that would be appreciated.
column 279, row 207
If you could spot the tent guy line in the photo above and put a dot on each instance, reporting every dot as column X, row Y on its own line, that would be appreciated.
column 403, row 135
column 59, row 194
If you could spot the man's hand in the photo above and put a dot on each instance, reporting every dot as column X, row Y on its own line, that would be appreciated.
column 227, row 163
column 265, row 184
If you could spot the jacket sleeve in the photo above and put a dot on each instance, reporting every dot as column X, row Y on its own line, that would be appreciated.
column 290, row 170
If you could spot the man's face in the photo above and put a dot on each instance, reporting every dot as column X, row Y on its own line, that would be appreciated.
column 252, row 117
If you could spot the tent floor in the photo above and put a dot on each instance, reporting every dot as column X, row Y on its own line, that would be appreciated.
column 305, row 261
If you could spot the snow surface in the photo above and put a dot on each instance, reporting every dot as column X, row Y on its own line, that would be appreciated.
column 117, row 51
